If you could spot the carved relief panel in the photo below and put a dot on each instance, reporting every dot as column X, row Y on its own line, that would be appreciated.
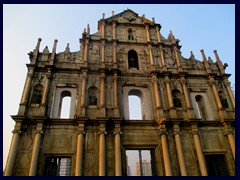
column 169, row 57
column 94, row 54
column 122, row 58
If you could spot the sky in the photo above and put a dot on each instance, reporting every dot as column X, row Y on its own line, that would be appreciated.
column 207, row 27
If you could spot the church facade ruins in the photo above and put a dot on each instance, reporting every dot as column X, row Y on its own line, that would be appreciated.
column 187, row 106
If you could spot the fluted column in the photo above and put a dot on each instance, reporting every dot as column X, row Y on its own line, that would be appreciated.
column 181, row 161
column 114, row 30
column 169, row 92
column 150, row 54
column 162, row 58
column 115, row 95
column 147, row 33
column 79, row 153
column 158, row 34
column 215, row 93
column 26, row 89
column 227, row 84
column 83, row 100
column 36, row 51
column 114, row 53
column 35, row 150
column 200, row 156
column 102, row 93
column 177, row 59
column 53, row 52
column 185, row 91
column 103, row 29
column 219, row 63
column 228, row 133
column 157, row 97
column 166, row 157
column 13, row 150
column 103, row 52
column 45, row 92
column 102, row 133
column 86, row 50
column 205, row 62
column 118, row 159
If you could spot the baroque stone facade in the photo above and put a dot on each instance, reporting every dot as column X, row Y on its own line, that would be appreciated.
column 188, row 109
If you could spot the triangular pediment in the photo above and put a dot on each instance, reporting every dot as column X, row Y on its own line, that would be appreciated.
column 127, row 16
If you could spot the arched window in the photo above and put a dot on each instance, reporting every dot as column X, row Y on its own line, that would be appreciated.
column 92, row 96
column 130, row 34
column 37, row 94
column 223, row 99
column 201, row 107
column 177, row 98
column 132, row 59
column 135, row 105
column 65, row 105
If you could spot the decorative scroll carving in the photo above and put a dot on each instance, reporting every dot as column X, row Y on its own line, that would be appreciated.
column 169, row 57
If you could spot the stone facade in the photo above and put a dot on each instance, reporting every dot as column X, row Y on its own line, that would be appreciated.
column 188, row 109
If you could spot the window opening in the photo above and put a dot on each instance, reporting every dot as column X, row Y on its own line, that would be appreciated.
column 216, row 165
column 132, row 59
column 201, row 107
column 37, row 94
column 140, row 162
column 65, row 105
column 223, row 100
column 65, row 110
column 135, row 109
column 130, row 34
column 57, row 166
column 92, row 96
column 177, row 98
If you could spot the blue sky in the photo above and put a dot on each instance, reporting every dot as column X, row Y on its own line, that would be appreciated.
column 207, row 27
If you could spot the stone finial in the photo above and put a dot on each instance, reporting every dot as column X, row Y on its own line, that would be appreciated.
column 143, row 15
column 153, row 19
column 103, row 16
column 112, row 13
column 192, row 55
column 171, row 36
column 88, row 29
column 210, row 59
column 67, row 48
column 225, row 65
column 46, row 50
column 55, row 41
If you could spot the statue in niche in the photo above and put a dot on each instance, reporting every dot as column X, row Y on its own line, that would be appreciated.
column 92, row 99
column 95, row 54
column 132, row 62
column 223, row 101
column 169, row 57
column 176, row 101
column 37, row 95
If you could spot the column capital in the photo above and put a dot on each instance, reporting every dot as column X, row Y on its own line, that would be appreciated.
column 80, row 132
column 38, row 132
column 176, row 129
column 212, row 81
column 194, row 129
column 16, row 131
column 117, row 132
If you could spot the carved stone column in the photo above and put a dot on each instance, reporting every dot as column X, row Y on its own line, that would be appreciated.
column 45, row 92
column 169, row 92
column 13, row 150
column 185, row 92
column 115, row 95
column 79, row 153
column 35, row 150
column 166, row 158
column 227, row 84
column 114, row 53
column 181, row 161
column 86, row 50
column 150, row 55
column 103, row 51
column 157, row 97
column 205, row 62
column 177, row 58
column 118, row 159
column 162, row 58
column 221, row 112
column 228, row 133
column 83, row 103
column 103, row 29
column 102, row 93
column 147, row 33
column 114, row 30
column 102, row 133
column 26, row 92
column 200, row 156
column 158, row 34
column 53, row 52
